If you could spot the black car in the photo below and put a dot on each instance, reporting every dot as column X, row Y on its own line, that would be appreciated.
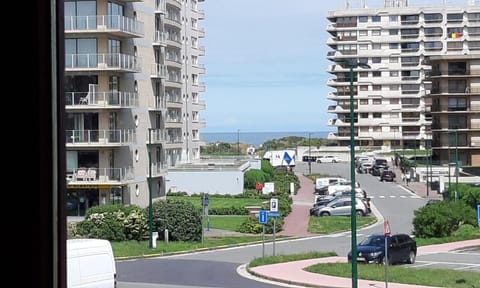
column 387, row 175
column 401, row 249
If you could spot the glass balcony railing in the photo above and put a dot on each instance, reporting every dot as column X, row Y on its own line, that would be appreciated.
column 107, row 61
column 100, row 175
column 104, row 23
column 100, row 137
column 101, row 99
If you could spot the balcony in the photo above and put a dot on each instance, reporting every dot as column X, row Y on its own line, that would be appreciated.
column 115, row 62
column 160, row 39
column 158, row 136
column 100, row 176
column 199, row 105
column 158, row 168
column 158, row 71
column 114, row 25
column 99, row 138
column 200, row 86
column 104, row 100
column 160, row 6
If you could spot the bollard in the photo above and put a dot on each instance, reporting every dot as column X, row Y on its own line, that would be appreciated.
column 154, row 239
column 166, row 236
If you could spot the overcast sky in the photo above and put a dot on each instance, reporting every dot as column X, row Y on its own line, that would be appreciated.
column 266, row 63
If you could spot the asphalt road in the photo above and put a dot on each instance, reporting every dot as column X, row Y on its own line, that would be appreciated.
column 218, row 268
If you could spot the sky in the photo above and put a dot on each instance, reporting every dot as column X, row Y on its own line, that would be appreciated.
column 266, row 63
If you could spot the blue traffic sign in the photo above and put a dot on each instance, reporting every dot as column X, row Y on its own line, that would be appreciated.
column 273, row 214
column 478, row 214
column 262, row 217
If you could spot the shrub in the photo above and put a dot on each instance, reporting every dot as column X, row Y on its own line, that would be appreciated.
column 252, row 177
column 467, row 231
column 113, row 222
column 466, row 193
column 252, row 226
column 181, row 219
column 442, row 219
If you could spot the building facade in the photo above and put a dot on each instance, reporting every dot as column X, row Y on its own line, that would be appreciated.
column 132, row 97
column 390, row 104
column 455, row 109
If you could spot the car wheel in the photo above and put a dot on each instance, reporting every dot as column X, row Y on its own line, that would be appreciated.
column 411, row 257
column 360, row 213
column 333, row 161
column 324, row 214
column 384, row 262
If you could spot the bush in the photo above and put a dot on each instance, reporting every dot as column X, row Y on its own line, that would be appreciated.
column 466, row 193
column 114, row 223
column 467, row 231
column 252, row 177
column 252, row 226
column 181, row 219
column 442, row 219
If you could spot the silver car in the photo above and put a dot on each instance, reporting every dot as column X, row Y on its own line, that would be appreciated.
column 343, row 206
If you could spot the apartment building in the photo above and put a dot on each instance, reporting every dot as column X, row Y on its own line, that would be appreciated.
column 455, row 109
column 389, row 98
column 132, row 97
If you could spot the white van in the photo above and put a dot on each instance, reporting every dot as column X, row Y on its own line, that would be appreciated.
column 321, row 184
column 90, row 263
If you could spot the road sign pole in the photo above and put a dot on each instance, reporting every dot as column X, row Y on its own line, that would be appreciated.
column 386, row 233
column 263, row 240
column 274, row 224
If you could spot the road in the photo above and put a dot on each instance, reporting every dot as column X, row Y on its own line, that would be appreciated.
column 218, row 268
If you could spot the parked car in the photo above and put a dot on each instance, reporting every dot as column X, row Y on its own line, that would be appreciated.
column 342, row 206
column 365, row 167
column 328, row 159
column 321, row 184
column 387, row 175
column 378, row 169
column 341, row 186
column 401, row 249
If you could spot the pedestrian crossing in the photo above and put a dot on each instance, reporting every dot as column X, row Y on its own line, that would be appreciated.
column 394, row 196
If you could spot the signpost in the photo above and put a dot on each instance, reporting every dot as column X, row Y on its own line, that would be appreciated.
column 263, row 219
column 478, row 214
column 274, row 213
column 386, row 232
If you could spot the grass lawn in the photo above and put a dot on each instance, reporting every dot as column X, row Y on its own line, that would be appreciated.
column 399, row 274
column 227, row 222
column 332, row 224
column 220, row 202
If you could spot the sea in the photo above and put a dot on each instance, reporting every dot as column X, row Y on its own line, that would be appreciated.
column 255, row 138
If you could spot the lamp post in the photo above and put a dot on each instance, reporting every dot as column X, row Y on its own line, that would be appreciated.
column 238, row 142
column 309, row 155
column 353, row 211
column 456, row 164
column 150, row 208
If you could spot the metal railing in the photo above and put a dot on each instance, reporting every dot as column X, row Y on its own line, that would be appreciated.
column 101, row 174
column 100, row 137
column 102, row 99
column 103, row 61
column 104, row 23
column 159, row 70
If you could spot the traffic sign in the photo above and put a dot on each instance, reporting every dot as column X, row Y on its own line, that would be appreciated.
column 262, row 217
column 273, row 214
column 478, row 214
column 274, row 205
column 386, row 228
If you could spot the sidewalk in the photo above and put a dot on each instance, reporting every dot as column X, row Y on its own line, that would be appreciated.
column 293, row 273
column 419, row 188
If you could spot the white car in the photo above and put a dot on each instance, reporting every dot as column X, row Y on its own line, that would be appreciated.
column 328, row 159
column 341, row 186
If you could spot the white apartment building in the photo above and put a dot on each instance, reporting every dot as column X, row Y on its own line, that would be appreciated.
column 132, row 87
column 391, row 109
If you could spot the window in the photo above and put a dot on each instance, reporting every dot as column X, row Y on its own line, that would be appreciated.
column 377, row 115
column 75, row 15
column 393, row 18
column 393, row 32
column 393, row 45
column 364, row 88
column 377, row 102
column 376, row 59
column 393, row 73
column 376, row 73
column 377, row 87
column 377, row 128
column 394, row 101
column 393, row 59
column 363, row 19
column 376, row 32
column 376, row 46
column 363, row 60
column 394, row 87
column 363, row 33
column 376, row 18
column 81, row 53
column 363, row 115
column 363, row 46
column 364, row 102
column 363, row 74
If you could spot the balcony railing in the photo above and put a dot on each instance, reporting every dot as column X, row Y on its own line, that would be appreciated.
column 160, row 38
column 159, row 167
column 100, row 137
column 159, row 71
column 158, row 135
column 103, row 23
column 101, row 99
column 108, row 61
column 160, row 6
column 100, row 175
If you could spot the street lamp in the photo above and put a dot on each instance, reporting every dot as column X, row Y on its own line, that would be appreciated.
column 309, row 155
column 150, row 208
column 238, row 142
column 353, row 218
